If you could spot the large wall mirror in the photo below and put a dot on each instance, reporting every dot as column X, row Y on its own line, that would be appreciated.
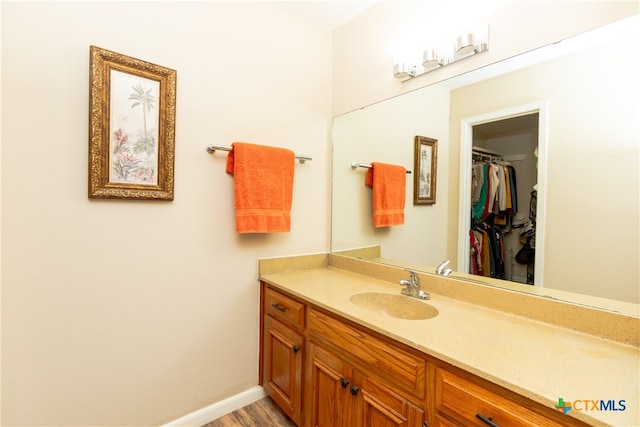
column 582, row 97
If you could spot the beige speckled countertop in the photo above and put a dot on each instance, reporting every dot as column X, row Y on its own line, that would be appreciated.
column 538, row 360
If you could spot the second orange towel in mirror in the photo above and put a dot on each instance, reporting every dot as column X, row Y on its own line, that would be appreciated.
column 388, row 183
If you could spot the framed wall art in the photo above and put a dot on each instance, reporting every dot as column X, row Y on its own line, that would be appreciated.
column 132, row 106
column 425, row 165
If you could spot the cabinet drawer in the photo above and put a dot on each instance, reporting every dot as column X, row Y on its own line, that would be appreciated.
column 284, row 308
column 379, row 358
column 459, row 400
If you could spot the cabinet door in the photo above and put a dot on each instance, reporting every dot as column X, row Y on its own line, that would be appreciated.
column 282, row 368
column 380, row 406
column 329, row 382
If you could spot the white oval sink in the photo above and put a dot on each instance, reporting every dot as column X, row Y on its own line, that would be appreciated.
column 395, row 305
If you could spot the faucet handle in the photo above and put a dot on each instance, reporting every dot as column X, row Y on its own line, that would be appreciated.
column 414, row 277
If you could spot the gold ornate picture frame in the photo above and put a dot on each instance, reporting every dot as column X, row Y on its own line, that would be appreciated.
column 132, row 108
column 425, row 165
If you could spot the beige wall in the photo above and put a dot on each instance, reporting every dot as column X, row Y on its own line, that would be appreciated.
column 133, row 312
column 362, row 55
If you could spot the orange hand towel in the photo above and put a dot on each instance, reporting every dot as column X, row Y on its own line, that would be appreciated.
column 388, row 183
column 263, row 185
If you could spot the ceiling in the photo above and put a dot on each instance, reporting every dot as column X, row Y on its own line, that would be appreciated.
column 328, row 14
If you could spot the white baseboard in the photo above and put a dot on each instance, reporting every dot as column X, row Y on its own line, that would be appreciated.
column 219, row 409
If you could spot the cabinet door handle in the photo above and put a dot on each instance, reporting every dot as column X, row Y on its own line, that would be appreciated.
column 295, row 348
column 344, row 382
column 278, row 307
column 487, row 420
column 354, row 389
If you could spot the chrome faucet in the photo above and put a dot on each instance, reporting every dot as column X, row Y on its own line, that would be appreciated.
column 441, row 270
column 412, row 287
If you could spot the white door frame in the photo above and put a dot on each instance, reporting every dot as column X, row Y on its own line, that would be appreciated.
column 464, row 206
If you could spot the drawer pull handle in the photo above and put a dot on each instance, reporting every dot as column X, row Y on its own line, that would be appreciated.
column 278, row 307
column 344, row 382
column 487, row 420
column 354, row 389
column 295, row 348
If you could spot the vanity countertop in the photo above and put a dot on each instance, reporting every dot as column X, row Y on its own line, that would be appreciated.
column 538, row 360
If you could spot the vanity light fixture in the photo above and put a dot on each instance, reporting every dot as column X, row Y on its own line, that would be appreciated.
column 430, row 59
column 466, row 45
column 404, row 71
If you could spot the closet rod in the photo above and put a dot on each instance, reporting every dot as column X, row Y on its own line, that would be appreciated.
column 482, row 154
column 482, row 150
column 355, row 165
column 212, row 149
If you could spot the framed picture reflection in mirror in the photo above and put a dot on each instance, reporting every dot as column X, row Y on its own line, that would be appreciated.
column 425, row 165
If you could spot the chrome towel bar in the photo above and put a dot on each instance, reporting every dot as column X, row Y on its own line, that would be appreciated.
column 355, row 165
column 212, row 149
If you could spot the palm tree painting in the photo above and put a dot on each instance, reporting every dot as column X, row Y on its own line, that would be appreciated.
column 133, row 154
column 144, row 98
column 132, row 121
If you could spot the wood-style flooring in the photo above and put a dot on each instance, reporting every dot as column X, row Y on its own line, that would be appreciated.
column 263, row 413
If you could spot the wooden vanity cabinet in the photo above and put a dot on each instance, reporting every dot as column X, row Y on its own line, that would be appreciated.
column 340, row 395
column 460, row 398
column 356, row 379
column 351, row 377
column 325, row 371
column 283, row 350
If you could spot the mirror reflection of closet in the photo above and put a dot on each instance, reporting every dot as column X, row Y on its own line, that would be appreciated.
column 503, row 227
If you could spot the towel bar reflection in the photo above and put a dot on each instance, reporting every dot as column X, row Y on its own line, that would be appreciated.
column 212, row 149
column 355, row 165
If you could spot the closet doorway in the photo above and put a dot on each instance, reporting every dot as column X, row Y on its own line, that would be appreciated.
column 501, row 207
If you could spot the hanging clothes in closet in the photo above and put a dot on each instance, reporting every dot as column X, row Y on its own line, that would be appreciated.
column 494, row 202
column 527, row 254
